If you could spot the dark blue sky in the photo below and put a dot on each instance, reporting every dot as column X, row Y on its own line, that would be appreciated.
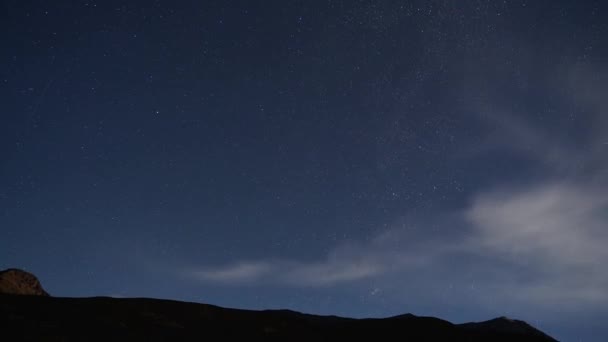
column 359, row 158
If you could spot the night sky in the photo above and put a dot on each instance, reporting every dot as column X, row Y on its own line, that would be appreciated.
column 356, row 158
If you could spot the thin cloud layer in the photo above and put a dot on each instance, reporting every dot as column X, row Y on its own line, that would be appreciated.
column 555, row 233
column 550, row 240
column 542, row 243
column 236, row 273
column 342, row 265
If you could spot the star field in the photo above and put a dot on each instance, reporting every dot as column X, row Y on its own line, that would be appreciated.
column 357, row 158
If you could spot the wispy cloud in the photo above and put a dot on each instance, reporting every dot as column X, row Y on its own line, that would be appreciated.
column 344, row 264
column 548, row 239
column 333, row 272
column 236, row 273
column 555, row 233
column 537, row 243
column 556, row 223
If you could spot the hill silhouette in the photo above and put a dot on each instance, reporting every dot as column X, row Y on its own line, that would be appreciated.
column 39, row 317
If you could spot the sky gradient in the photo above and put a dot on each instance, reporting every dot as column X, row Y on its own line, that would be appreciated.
column 357, row 158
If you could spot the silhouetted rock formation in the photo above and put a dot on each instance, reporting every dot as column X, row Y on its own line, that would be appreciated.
column 19, row 282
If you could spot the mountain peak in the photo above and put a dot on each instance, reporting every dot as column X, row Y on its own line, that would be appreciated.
column 504, row 318
column 504, row 324
column 20, row 282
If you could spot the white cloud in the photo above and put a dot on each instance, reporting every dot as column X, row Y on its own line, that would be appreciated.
column 557, row 233
column 540, row 245
column 550, row 240
column 557, row 223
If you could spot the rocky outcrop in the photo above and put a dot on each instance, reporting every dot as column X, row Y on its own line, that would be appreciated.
column 19, row 282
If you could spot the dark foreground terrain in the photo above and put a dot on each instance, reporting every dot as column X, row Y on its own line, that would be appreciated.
column 28, row 313
column 38, row 318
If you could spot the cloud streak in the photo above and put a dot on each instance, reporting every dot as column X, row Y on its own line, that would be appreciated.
column 344, row 264
column 237, row 273
column 550, row 239
column 538, row 244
